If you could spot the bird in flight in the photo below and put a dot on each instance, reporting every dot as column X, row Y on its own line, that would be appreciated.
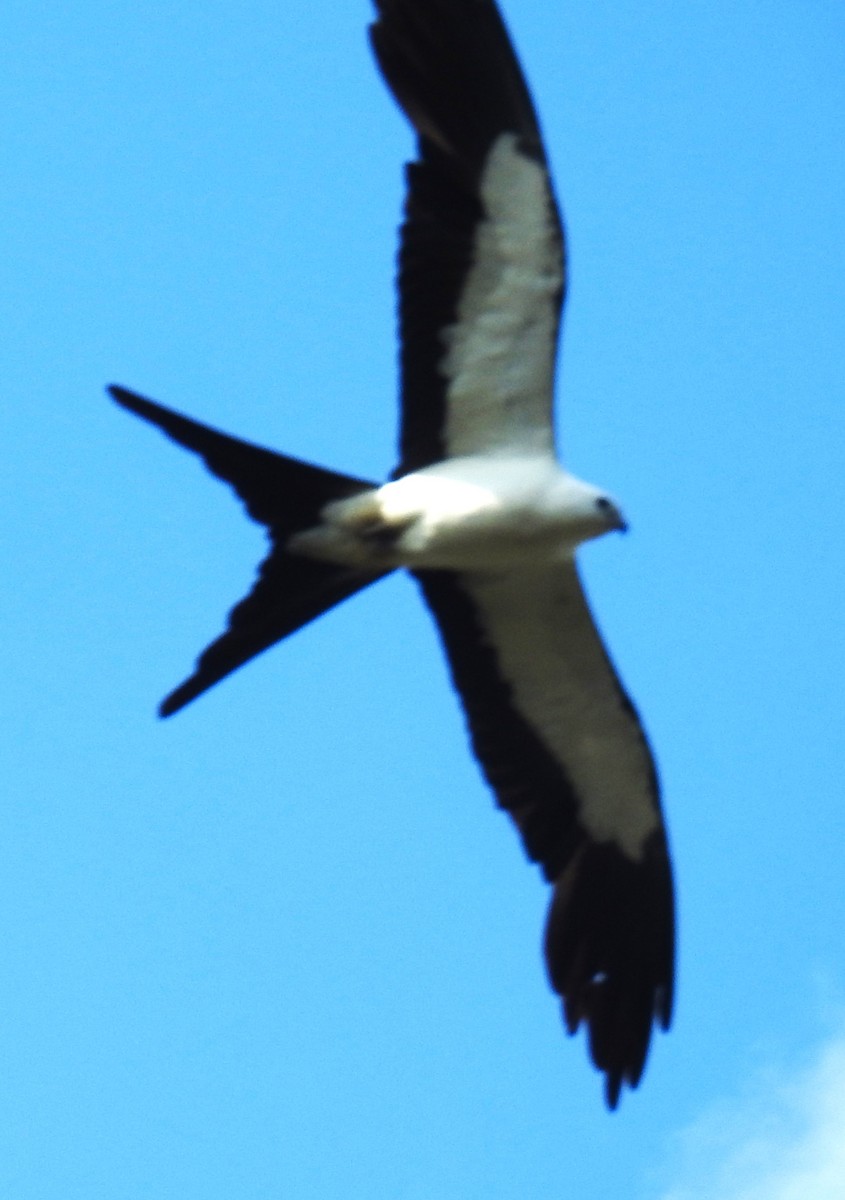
column 487, row 521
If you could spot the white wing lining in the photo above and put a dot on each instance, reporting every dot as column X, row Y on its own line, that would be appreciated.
column 501, row 351
column 564, row 686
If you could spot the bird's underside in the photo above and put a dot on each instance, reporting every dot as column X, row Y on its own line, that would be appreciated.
column 484, row 517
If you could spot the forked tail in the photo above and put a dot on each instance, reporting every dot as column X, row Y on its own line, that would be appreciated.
column 285, row 495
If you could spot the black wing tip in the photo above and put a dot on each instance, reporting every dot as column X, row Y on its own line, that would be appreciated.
column 610, row 954
column 453, row 70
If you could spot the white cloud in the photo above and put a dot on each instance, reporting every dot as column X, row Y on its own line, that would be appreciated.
column 781, row 1140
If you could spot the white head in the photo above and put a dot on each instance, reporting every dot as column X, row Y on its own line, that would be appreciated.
column 587, row 511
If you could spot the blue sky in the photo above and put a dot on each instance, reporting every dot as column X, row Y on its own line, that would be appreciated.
column 283, row 945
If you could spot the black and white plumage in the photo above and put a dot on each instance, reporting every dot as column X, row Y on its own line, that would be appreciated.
column 486, row 519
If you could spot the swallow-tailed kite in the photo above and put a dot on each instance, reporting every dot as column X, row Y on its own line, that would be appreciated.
column 482, row 514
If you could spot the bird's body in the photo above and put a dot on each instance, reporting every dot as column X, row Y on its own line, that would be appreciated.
column 473, row 513
column 486, row 519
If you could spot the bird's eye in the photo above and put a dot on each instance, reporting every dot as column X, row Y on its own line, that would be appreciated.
column 603, row 504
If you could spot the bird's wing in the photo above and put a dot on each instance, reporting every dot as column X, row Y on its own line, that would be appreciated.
column 563, row 750
column 481, row 262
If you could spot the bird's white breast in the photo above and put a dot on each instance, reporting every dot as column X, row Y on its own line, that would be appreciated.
column 461, row 514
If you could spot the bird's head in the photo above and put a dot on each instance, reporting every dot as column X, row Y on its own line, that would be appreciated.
column 587, row 512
